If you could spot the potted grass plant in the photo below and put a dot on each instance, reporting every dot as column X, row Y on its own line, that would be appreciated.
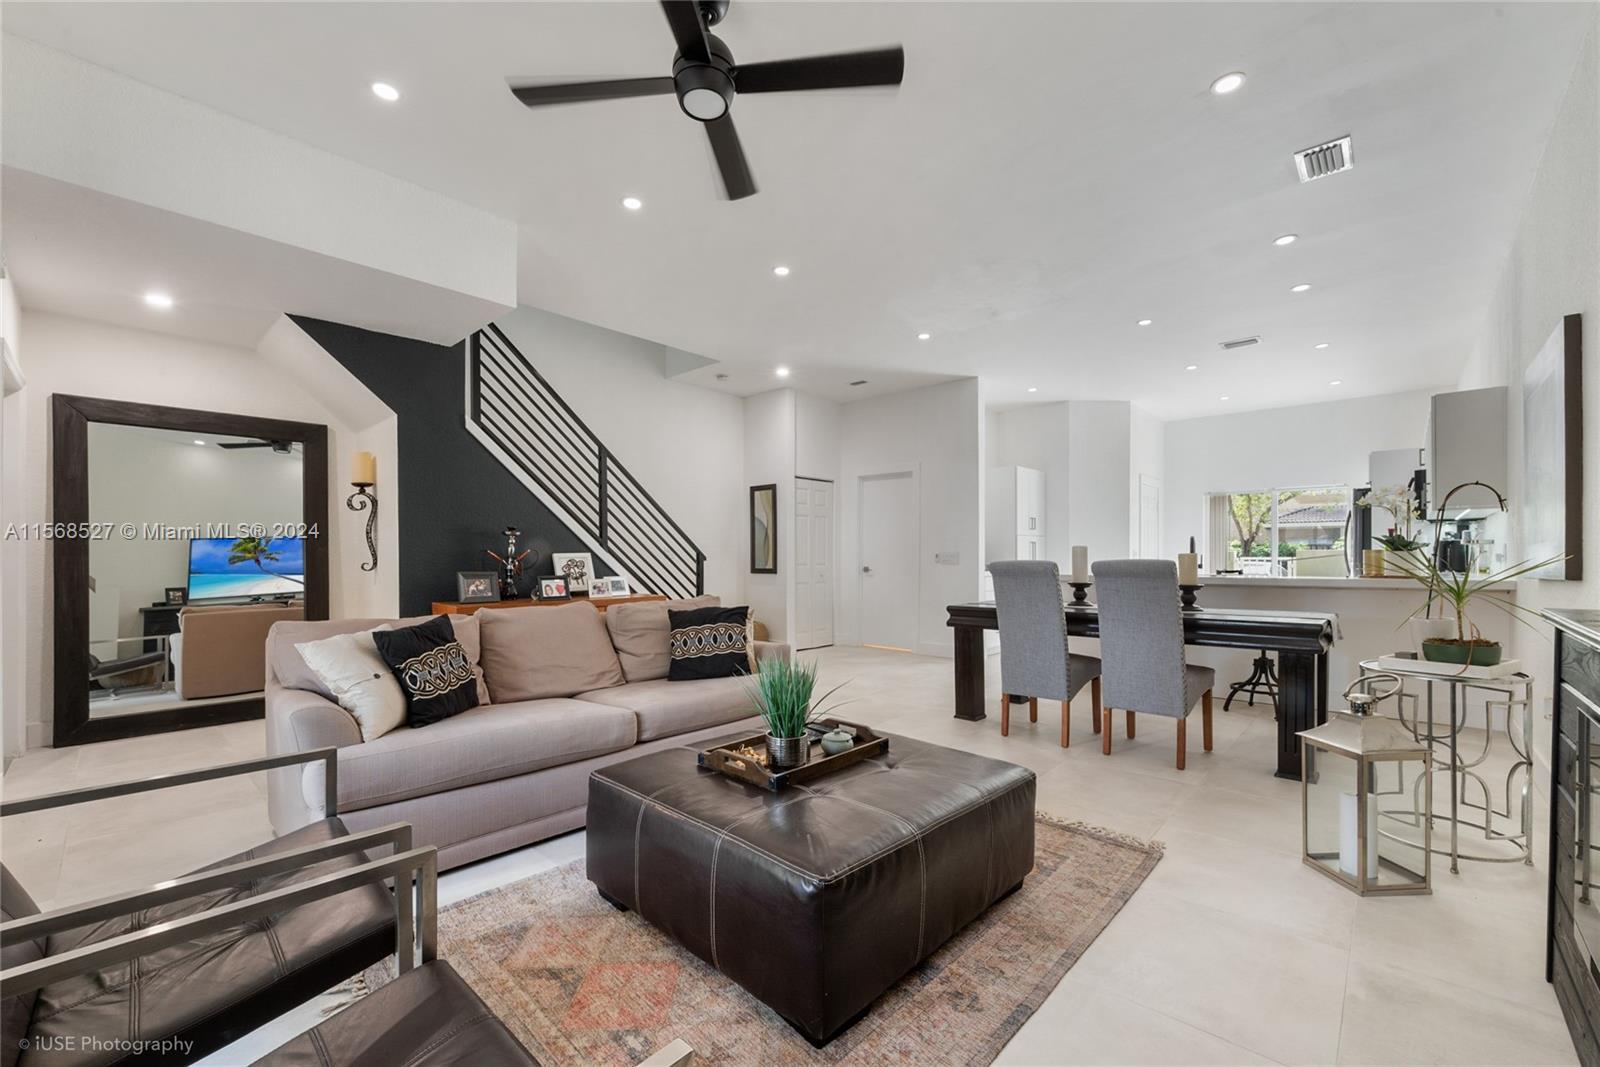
column 783, row 695
column 1468, row 646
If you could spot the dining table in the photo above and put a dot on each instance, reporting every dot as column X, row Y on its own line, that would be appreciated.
column 1301, row 640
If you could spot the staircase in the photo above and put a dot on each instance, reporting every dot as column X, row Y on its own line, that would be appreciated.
column 516, row 414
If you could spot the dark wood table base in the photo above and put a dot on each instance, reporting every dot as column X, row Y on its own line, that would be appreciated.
column 1300, row 640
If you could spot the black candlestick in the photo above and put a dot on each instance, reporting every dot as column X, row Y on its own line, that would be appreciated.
column 1080, row 592
column 1187, row 596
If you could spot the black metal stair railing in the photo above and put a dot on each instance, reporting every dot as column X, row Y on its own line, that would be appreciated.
column 517, row 409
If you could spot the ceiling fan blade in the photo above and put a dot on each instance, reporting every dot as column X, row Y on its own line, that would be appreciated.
column 578, row 92
column 736, row 179
column 844, row 70
column 687, row 29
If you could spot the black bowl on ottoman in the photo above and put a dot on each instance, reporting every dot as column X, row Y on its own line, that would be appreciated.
column 819, row 897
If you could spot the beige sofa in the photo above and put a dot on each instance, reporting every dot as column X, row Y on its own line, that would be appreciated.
column 220, row 650
column 515, row 769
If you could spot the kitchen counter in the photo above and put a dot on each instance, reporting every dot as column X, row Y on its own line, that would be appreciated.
column 1403, row 585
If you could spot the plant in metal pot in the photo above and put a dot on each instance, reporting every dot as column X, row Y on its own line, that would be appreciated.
column 784, row 696
column 1461, row 590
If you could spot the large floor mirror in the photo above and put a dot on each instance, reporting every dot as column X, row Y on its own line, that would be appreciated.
column 192, row 532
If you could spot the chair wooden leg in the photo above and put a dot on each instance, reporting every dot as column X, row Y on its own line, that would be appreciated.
column 1205, row 719
column 1105, row 734
column 1130, row 725
column 1033, row 709
column 1094, row 695
column 1183, row 741
column 1005, row 714
column 1066, row 724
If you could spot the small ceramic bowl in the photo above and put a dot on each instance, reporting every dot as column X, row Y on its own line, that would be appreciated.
column 837, row 741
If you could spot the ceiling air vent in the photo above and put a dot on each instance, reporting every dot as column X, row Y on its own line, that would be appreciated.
column 1243, row 342
column 1324, row 159
column 859, row 381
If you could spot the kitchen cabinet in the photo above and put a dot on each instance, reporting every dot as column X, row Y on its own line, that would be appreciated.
column 1466, row 442
column 1015, row 526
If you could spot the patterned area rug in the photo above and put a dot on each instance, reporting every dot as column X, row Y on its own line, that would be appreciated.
column 579, row 982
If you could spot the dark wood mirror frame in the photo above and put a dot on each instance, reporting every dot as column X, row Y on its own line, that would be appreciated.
column 70, row 417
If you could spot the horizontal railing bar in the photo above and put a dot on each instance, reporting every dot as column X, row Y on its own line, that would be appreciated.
column 516, row 437
column 642, row 535
column 642, row 548
column 98, row 955
column 579, row 451
column 542, row 405
column 71, row 918
column 167, row 781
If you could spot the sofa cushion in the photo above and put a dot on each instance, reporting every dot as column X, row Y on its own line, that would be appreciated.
column 480, row 745
column 639, row 634
column 532, row 653
column 709, row 643
column 666, row 708
column 350, row 667
column 290, row 671
column 469, row 634
column 431, row 667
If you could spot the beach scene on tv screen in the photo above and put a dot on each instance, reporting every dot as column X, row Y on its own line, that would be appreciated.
column 244, row 567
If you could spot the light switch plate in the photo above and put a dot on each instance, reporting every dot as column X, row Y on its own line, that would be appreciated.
column 947, row 559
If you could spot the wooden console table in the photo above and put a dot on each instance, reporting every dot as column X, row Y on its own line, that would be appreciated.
column 1300, row 638
column 455, row 607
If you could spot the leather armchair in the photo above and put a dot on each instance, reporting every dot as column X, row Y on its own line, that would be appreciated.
column 173, row 972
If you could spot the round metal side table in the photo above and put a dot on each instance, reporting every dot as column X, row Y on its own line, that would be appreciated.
column 1507, row 827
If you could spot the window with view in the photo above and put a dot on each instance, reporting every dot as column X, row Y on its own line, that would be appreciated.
column 1288, row 533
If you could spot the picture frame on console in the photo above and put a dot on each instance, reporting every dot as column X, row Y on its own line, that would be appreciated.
column 575, row 568
column 553, row 589
column 477, row 587
column 613, row 586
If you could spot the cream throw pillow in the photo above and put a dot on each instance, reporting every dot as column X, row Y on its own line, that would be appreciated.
column 361, row 683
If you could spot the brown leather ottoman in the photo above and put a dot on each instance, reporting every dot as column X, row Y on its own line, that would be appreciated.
column 818, row 898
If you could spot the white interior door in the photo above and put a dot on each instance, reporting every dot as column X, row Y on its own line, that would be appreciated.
column 813, row 563
column 1149, row 517
column 889, row 556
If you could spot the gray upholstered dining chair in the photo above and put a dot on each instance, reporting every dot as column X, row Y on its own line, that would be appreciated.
column 1141, row 644
column 1034, row 659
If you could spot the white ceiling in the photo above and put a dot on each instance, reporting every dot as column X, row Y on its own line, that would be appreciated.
column 1047, row 175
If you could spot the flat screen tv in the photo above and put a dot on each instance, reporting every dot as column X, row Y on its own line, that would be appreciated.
column 222, row 568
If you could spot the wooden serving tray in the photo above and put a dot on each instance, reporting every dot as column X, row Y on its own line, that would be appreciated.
column 726, row 760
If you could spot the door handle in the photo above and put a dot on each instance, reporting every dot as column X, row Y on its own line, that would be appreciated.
column 866, row 570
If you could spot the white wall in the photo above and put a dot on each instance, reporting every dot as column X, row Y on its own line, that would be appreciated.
column 13, row 565
column 683, row 442
column 1146, row 459
column 142, row 476
column 1098, row 508
column 937, row 431
column 1553, row 270
column 1314, row 444
column 67, row 355
column 816, row 437
column 769, row 459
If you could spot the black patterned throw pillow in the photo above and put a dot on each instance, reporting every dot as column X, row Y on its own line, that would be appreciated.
column 708, row 643
column 432, row 668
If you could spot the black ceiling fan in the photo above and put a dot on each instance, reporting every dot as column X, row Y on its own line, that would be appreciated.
column 280, row 447
column 705, row 79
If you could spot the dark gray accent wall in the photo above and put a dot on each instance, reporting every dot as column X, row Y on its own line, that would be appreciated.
column 454, row 497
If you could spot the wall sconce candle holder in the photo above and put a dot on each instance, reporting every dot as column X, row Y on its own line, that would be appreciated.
column 363, row 500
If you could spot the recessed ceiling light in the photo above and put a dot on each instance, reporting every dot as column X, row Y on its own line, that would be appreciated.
column 160, row 301
column 1192, row 366
column 1323, row 345
column 385, row 92
column 1302, row 287
column 923, row 336
column 1227, row 83
column 632, row 203
column 1033, row 388
column 781, row 271
column 1223, row 398
column 199, row 442
column 782, row 372
column 1337, row 381
column 1286, row 239
column 1145, row 322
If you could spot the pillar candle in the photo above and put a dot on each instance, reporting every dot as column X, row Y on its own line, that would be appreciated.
column 1080, row 563
column 364, row 469
column 1188, row 568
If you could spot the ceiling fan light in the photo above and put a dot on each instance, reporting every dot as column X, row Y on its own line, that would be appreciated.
column 704, row 104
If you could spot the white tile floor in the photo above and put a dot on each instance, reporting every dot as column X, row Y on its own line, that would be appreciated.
column 1231, row 952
